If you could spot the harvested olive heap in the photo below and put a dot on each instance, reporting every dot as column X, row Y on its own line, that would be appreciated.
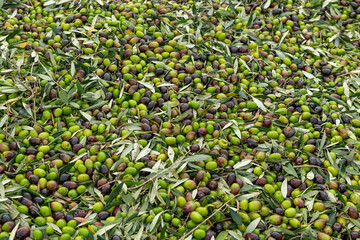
column 215, row 120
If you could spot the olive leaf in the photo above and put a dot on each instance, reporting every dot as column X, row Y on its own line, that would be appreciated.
column 252, row 226
column 284, row 190
column 237, row 219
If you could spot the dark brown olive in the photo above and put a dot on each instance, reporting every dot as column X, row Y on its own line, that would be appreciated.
column 31, row 151
column 267, row 123
column 25, row 201
column 205, row 190
column 70, row 185
column 289, row 132
column 77, row 147
column 200, row 175
column 189, row 207
column 104, row 170
column 58, row 215
column 13, row 146
column 22, row 232
column 353, row 213
column 194, row 148
column 103, row 215
column 354, row 235
column 252, row 236
column 213, row 185
column 33, row 178
column 295, row 182
column 252, row 143
column 337, row 226
column 276, row 235
column 230, row 178
column 5, row 218
column 261, row 181
column 319, row 179
column 64, row 177
column 80, row 213
column 210, row 234
column 33, row 211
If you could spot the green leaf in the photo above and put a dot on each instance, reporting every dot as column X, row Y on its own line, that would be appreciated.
column 267, row 4
column 259, row 104
column 197, row 158
column 3, row 120
column 222, row 235
column 250, row 20
column 13, row 232
column 336, row 100
column 80, row 89
column 237, row 219
column 283, row 230
column 56, row 136
column 252, row 226
column 12, row 33
column 98, row 105
column 355, row 222
column 182, row 116
column 231, row 6
column 86, row 116
column 113, row 204
column 66, row 168
column 290, row 169
column 173, row 232
column 134, row 215
column 90, row 236
column 155, row 221
column 63, row 96
column 32, row 192
column 284, row 189
column 72, row 69
column 163, row 230
column 115, row 192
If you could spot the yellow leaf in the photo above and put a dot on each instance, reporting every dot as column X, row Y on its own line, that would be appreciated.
column 129, row 32
column 23, row 45
column 91, row 229
column 124, row 137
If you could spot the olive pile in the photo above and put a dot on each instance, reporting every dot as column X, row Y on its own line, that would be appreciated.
column 181, row 120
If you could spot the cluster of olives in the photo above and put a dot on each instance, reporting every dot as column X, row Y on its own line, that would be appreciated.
column 179, row 120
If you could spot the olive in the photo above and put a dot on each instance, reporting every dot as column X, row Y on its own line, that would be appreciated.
column 80, row 213
column 353, row 212
column 252, row 143
column 5, row 218
column 252, row 236
column 337, row 226
column 22, row 232
column 326, row 71
column 276, row 235
column 103, row 215
column 323, row 196
column 210, row 234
